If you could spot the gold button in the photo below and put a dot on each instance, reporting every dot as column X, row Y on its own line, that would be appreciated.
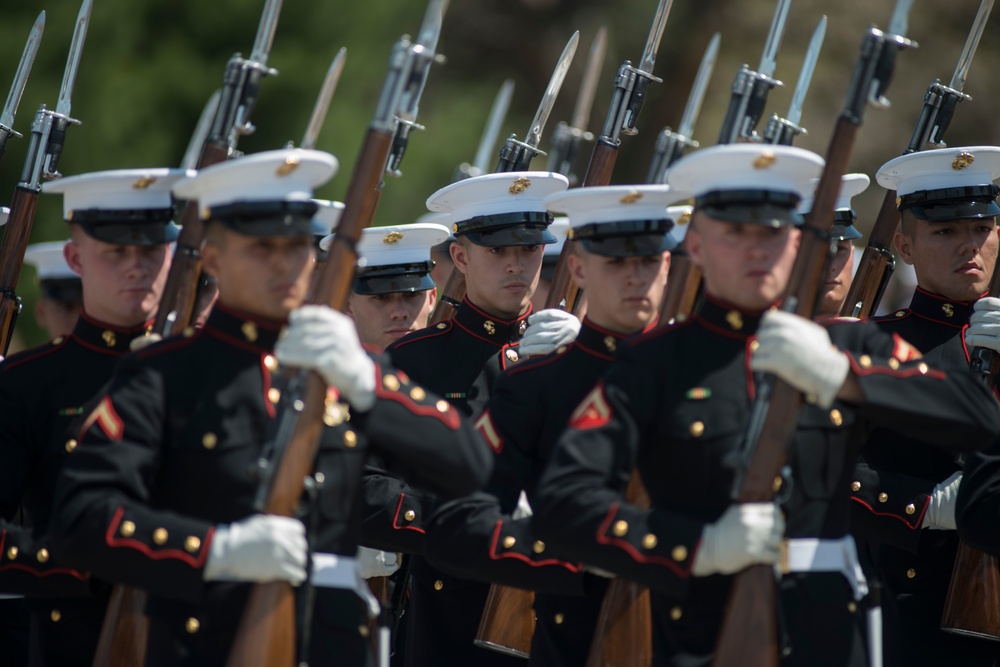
column 811, row 399
column 192, row 625
column 192, row 544
column 249, row 330
column 438, row 585
column 883, row 497
column 538, row 547
column 209, row 441
column 188, row 332
column 42, row 555
column 649, row 541
column 363, row 630
column 561, row 349
column 776, row 485
column 58, row 340
column 270, row 363
column 696, row 429
column 865, row 361
column 160, row 535
column 12, row 553
column 410, row 515
column 894, row 363
column 109, row 338
column 442, row 406
column 754, row 345
column 56, row 615
column 851, row 607
column 273, row 394
column 922, row 367
column 70, row 445
column 911, row 573
column 675, row 614
column 511, row 354
column 418, row 394
column 128, row 528
column 679, row 553
column 442, row 325
column 855, row 486
column 900, row 313
column 509, row 542
column 560, row 619
column 391, row 382
column 621, row 527
column 836, row 418
column 350, row 439
column 911, row 508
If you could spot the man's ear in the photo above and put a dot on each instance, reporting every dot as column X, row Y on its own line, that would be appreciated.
column 71, row 253
column 460, row 256
column 575, row 266
column 210, row 259
column 904, row 246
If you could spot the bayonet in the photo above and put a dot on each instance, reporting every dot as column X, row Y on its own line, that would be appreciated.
column 323, row 100
column 971, row 45
column 670, row 144
column 517, row 155
column 412, row 77
column 501, row 103
column 750, row 88
column 64, row 105
column 265, row 32
column 567, row 137
column 20, row 79
column 784, row 130
column 200, row 134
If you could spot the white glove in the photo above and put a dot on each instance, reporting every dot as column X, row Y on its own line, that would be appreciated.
column 800, row 353
column 547, row 330
column 940, row 513
column 745, row 534
column 984, row 325
column 260, row 548
column 321, row 339
column 144, row 341
column 375, row 563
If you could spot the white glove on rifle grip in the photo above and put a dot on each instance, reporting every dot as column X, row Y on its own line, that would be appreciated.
column 746, row 534
column 375, row 563
column 260, row 548
column 940, row 513
column 324, row 340
column 800, row 353
column 547, row 330
column 984, row 325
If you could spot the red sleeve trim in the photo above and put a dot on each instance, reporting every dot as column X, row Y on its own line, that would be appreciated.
column 395, row 518
column 448, row 417
column 635, row 554
column 885, row 370
column 114, row 541
column 494, row 555
column 919, row 519
column 81, row 576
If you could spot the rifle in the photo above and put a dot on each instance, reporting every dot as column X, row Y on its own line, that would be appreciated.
column 266, row 635
column 20, row 80
column 48, row 134
column 631, row 85
column 750, row 88
column 972, row 606
column 876, row 264
column 514, row 156
column 748, row 635
column 240, row 87
column 322, row 105
column 783, row 131
column 671, row 145
column 567, row 137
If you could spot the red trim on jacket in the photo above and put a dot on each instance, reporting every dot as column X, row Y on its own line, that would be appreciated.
column 634, row 553
column 175, row 554
column 524, row 559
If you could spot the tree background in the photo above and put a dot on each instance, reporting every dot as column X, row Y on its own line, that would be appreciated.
column 149, row 66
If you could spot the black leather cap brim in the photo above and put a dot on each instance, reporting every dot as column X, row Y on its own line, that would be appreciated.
column 409, row 282
column 511, row 236
column 132, row 234
column 957, row 210
column 638, row 245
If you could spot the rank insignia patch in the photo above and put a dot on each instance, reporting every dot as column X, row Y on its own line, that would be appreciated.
column 109, row 421
column 489, row 432
column 593, row 412
column 903, row 351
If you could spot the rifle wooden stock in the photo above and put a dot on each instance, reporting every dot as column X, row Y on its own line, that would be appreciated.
column 623, row 636
column 873, row 269
column 266, row 636
column 124, row 631
column 15, row 241
column 508, row 621
column 602, row 164
column 181, row 291
column 748, row 635
column 451, row 295
column 683, row 288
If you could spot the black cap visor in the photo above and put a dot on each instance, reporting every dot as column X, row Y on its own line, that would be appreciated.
column 142, row 227
column 507, row 229
column 755, row 207
column 962, row 203
column 278, row 218
column 394, row 278
column 626, row 238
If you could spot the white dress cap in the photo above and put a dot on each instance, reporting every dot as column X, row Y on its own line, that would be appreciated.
column 559, row 229
column 851, row 186
column 117, row 190
column 746, row 167
column 397, row 244
column 961, row 166
column 48, row 260
column 681, row 215
column 327, row 216
column 4, row 214
column 289, row 174
column 495, row 194
column 614, row 203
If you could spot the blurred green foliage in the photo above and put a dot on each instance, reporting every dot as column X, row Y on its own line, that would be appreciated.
column 149, row 66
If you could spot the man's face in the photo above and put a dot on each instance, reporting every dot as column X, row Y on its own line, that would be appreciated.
column 623, row 293
column 122, row 284
column 384, row 318
column 952, row 258
column 747, row 265
column 838, row 279
column 264, row 276
column 500, row 280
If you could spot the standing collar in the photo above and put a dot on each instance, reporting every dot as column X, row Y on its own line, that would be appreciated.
column 604, row 342
column 482, row 325
column 727, row 319
column 939, row 309
column 108, row 338
column 243, row 329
